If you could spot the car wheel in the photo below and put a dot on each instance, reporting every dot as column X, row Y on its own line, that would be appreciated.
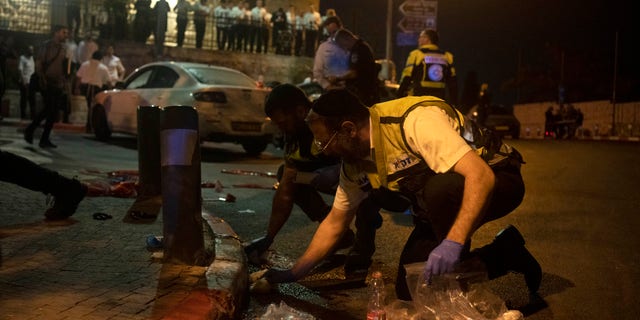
column 515, row 134
column 254, row 148
column 99, row 123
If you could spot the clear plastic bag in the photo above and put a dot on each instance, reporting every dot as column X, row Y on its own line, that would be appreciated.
column 455, row 296
column 284, row 312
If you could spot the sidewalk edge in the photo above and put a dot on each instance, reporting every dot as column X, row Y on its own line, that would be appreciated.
column 228, row 275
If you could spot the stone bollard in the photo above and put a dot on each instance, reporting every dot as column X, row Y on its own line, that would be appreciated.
column 149, row 200
column 183, row 240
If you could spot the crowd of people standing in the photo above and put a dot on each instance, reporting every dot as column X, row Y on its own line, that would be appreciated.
column 58, row 69
column 238, row 26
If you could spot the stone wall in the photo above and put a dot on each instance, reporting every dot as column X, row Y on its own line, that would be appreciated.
column 598, row 118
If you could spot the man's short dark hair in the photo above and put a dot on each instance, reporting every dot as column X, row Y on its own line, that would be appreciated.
column 433, row 35
column 285, row 97
column 97, row 55
column 332, row 19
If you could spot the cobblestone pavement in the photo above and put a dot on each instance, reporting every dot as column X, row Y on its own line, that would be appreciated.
column 82, row 268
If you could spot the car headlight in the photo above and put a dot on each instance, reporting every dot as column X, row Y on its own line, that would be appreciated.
column 210, row 96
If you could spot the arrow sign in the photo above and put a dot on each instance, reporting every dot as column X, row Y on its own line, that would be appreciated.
column 418, row 8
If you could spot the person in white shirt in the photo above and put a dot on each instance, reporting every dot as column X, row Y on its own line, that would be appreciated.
column 292, row 20
column 331, row 62
column 114, row 65
column 257, row 26
column 312, row 21
column 86, row 48
column 201, row 12
column 221, row 15
column 26, row 67
column 94, row 76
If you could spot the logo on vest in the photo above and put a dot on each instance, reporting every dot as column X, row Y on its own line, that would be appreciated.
column 435, row 72
column 401, row 163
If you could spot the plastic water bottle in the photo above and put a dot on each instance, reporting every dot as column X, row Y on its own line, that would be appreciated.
column 375, row 308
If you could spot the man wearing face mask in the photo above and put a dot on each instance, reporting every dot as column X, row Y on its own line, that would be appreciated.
column 306, row 173
column 420, row 152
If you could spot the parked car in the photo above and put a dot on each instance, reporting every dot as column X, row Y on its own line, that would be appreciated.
column 229, row 103
column 499, row 119
column 312, row 89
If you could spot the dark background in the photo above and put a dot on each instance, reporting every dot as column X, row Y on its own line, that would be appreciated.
column 517, row 47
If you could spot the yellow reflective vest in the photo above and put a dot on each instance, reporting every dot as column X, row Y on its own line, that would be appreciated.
column 395, row 160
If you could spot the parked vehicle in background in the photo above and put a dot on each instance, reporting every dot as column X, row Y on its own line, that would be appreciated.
column 499, row 119
column 312, row 89
column 229, row 103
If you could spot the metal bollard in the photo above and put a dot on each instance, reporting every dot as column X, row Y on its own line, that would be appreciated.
column 181, row 194
column 149, row 200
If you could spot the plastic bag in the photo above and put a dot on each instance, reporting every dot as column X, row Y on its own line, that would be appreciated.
column 284, row 312
column 451, row 297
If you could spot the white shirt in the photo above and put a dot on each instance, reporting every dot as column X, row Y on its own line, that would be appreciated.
column 220, row 13
column 27, row 67
column 441, row 146
column 86, row 50
column 330, row 60
column 115, row 67
column 72, row 51
column 312, row 20
column 257, row 16
column 93, row 72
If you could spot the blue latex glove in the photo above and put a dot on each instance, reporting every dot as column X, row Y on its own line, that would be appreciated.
column 442, row 259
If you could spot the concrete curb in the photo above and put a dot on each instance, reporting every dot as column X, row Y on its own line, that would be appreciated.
column 58, row 126
column 597, row 138
column 228, row 275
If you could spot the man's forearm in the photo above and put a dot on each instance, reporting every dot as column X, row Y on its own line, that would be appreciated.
column 478, row 185
column 282, row 203
column 325, row 238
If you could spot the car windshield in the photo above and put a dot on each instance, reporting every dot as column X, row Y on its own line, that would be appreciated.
column 223, row 77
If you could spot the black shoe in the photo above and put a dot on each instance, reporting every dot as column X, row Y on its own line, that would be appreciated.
column 359, row 257
column 515, row 257
column 46, row 144
column 66, row 202
column 356, row 264
column 28, row 136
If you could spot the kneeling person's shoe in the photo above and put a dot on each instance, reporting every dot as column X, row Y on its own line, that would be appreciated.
column 357, row 264
column 66, row 201
column 508, row 253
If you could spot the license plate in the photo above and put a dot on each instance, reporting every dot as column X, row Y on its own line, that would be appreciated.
column 246, row 126
column 501, row 128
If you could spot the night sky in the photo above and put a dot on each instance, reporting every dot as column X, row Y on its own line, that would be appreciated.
column 490, row 37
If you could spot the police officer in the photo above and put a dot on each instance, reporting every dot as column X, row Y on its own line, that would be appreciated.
column 429, row 71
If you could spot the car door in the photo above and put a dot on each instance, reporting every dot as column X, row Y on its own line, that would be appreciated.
column 150, row 86
column 124, row 104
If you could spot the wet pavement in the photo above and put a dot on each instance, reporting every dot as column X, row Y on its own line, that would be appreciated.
column 578, row 218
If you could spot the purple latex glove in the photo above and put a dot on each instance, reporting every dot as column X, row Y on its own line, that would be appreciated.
column 442, row 259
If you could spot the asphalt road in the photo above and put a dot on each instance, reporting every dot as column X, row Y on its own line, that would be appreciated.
column 579, row 218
